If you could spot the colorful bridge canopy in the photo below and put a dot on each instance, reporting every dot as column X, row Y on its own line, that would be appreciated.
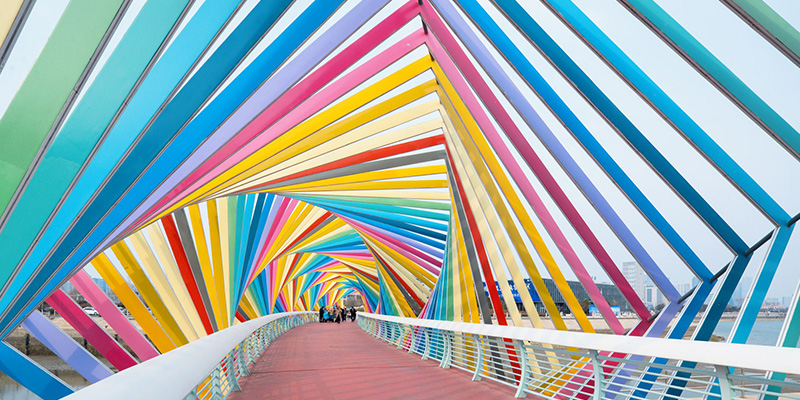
column 218, row 161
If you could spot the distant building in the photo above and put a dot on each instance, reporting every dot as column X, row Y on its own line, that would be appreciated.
column 610, row 292
column 653, row 295
column 68, row 288
column 684, row 288
column 742, row 290
column 106, row 289
column 772, row 301
column 644, row 287
column 635, row 276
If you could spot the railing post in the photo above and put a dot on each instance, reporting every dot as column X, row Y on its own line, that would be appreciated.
column 192, row 395
column 598, row 376
column 448, row 350
column 479, row 362
column 270, row 334
column 244, row 350
column 413, row 336
column 400, row 336
column 725, row 389
column 242, row 360
column 216, row 389
column 231, row 372
column 524, row 369
column 251, row 349
column 427, row 351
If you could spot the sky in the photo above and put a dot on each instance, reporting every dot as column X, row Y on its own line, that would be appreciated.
column 771, row 75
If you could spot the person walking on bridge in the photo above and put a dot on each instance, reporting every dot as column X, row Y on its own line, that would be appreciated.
column 322, row 314
column 352, row 314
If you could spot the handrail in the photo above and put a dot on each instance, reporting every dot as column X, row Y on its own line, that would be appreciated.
column 176, row 374
column 577, row 365
column 766, row 358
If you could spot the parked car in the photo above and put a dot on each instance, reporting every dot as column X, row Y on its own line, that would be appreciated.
column 91, row 311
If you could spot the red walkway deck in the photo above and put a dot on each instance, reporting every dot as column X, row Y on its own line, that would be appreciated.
column 339, row 361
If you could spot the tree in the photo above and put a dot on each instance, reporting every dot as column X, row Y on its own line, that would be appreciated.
column 585, row 305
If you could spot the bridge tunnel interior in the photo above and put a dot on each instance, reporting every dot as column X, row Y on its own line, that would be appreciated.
column 183, row 168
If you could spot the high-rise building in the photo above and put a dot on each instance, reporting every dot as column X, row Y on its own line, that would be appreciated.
column 649, row 296
column 635, row 276
column 741, row 292
column 106, row 289
column 683, row 288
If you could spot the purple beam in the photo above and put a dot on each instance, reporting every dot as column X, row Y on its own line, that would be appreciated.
column 65, row 348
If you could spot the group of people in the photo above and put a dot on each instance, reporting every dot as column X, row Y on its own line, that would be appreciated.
column 336, row 314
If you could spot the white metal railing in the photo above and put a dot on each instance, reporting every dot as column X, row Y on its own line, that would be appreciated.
column 208, row 368
column 575, row 365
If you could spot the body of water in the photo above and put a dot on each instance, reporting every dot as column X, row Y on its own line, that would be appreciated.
column 11, row 390
column 764, row 332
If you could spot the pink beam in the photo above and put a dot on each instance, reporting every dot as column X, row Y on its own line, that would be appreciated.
column 88, row 328
column 111, row 314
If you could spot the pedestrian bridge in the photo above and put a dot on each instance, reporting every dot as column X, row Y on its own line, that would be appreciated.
column 292, row 356
column 557, row 198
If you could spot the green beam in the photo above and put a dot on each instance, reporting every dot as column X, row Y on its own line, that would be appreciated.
column 57, row 73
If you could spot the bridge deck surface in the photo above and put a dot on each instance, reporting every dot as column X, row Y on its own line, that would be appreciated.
column 340, row 361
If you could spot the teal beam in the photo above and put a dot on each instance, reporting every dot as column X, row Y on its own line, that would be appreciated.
column 672, row 33
column 764, row 20
column 665, row 106
column 35, row 111
column 31, row 375
column 571, row 71
column 88, row 126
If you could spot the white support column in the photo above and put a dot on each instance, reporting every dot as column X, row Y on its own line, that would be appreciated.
column 524, row 369
column 598, row 376
column 401, row 333
column 427, row 350
column 447, row 357
column 216, row 389
column 192, row 395
column 231, row 372
column 725, row 389
column 479, row 362
column 242, row 359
